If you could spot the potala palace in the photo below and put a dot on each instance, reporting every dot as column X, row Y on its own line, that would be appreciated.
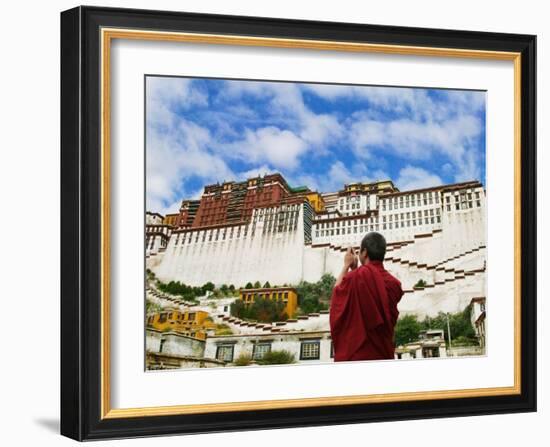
column 264, row 230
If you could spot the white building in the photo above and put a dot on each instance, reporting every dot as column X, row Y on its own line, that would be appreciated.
column 157, row 233
column 307, row 347
column 430, row 344
column 477, row 317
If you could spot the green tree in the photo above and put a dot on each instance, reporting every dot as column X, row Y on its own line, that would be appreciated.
column 262, row 309
column 249, row 285
column 267, row 285
column 460, row 324
column 257, row 285
column 407, row 330
column 313, row 297
column 208, row 287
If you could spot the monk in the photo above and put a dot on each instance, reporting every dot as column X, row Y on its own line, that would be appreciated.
column 363, row 308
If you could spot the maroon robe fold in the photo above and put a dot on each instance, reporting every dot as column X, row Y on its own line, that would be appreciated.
column 363, row 313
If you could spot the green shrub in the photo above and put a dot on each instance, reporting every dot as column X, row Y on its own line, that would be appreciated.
column 223, row 329
column 281, row 357
column 243, row 360
column 421, row 283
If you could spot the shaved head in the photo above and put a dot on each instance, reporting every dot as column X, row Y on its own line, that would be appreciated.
column 375, row 244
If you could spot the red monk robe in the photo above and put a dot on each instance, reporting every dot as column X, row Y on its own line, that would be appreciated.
column 363, row 313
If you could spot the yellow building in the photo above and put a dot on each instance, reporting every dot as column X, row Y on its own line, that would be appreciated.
column 286, row 295
column 316, row 201
column 190, row 323
column 171, row 219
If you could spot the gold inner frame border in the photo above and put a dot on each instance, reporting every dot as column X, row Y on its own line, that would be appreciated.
column 107, row 35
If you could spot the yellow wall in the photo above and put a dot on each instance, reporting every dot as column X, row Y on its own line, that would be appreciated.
column 191, row 323
column 286, row 295
column 170, row 219
column 316, row 201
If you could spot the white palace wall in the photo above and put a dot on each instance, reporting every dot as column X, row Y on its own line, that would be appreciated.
column 274, row 256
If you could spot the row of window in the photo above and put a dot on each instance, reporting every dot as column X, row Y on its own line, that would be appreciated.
column 344, row 231
column 309, row 350
column 150, row 242
column 412, row 200
column 343, row 223
column 464, row 205
column 411, row 214
column 158, row 229
column 413, row 223
column 220, row 234
column 277, row 296
column 463, row 195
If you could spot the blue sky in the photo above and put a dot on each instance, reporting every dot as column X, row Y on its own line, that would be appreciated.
column 201, row 131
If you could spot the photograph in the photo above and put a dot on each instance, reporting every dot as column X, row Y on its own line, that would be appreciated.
column 293, row 223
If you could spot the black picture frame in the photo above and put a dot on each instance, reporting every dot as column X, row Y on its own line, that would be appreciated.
column 81, row 210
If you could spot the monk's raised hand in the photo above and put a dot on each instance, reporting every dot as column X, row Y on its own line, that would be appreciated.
column 350, row 259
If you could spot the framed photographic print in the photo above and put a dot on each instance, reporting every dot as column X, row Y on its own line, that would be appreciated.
column 277, row 223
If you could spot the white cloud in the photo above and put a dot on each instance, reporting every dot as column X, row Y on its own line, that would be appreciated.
column 413, row 140
column 255, row 172
column 414, row 102
column 413, row 125
column 279, row 148
column 411, row 177
column 286, row 105
column 165, row 95
column 178, row 155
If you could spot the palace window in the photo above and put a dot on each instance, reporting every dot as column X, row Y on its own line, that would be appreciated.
column 310, row 350
column 260, row 349
column 225, row 352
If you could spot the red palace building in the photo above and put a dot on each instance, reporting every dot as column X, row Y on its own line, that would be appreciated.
column 233, row 202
